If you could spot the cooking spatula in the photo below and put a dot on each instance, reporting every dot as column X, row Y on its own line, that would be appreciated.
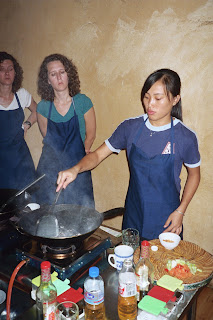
column 47, row 226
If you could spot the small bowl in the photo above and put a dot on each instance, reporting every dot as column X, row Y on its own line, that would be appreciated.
column 166, row 237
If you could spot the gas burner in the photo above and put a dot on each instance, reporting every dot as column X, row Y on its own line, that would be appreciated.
column 70, row 260
column 58, row 253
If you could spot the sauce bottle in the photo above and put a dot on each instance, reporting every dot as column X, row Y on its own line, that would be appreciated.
column 127, row 301
column 144, row 271
column 46, row 295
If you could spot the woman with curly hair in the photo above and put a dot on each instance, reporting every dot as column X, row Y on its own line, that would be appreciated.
column 16, row 164
column 66, row 119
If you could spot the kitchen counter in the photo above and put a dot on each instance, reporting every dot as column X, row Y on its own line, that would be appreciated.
column 23, row 307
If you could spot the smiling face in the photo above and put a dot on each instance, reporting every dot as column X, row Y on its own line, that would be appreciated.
column 158, row 104
column 57, row 76
column 7, row 73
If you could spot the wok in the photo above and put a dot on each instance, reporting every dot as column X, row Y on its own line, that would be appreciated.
column 75, row 222
column 15, row 200
column 17, row 204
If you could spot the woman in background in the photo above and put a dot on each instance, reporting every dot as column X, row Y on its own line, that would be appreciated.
column 66, row 119
column 16, row 164
column 157, row 145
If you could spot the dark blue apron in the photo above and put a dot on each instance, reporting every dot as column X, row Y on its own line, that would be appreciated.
column 152, row 194
column 63, row 148
column 17, row 169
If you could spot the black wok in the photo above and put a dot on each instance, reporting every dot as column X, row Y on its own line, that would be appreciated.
column 16, row 205
column 76, row 223
column 12, row 200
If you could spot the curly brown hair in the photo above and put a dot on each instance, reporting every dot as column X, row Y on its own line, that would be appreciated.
column 45, row 90
column 18, row 70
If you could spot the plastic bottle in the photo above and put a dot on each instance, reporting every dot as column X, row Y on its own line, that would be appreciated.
column 127, row 301
column 94, row 296
column 46, row 294
column 144, row 271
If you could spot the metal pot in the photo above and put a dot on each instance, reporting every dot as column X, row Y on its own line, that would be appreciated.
column 76, row 223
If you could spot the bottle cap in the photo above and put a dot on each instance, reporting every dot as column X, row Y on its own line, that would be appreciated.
column 93, row 272
column 145, row 243
column 45, row 265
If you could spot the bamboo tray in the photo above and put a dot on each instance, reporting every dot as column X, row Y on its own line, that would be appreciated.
column 185, row 250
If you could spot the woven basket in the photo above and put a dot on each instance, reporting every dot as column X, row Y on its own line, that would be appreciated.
column 185, row 250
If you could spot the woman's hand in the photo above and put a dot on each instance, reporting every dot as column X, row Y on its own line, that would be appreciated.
column 66, row 177
column 174, row 222
column 25, row 126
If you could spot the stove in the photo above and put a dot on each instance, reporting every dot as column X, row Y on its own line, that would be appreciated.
column 66, row 261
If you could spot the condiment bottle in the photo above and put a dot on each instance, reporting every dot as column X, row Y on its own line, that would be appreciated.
column 46, row 294
column 144, row 271
column 127, row 301
column 94, row 296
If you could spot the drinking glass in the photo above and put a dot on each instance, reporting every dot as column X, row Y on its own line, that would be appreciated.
column 67, row 310
column 130, row 237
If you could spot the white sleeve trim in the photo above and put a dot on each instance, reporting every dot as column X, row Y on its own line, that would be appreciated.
column 111, row 147
column 193, row 165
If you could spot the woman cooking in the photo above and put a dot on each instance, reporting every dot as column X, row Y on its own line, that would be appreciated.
column 66, row 119
column 157, row 144
column 16, row 164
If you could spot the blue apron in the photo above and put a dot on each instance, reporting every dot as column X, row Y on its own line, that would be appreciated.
column 63, row 148
column 152, row 194
column 16, row 165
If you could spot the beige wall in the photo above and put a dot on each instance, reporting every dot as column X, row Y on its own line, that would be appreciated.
column 116, row 44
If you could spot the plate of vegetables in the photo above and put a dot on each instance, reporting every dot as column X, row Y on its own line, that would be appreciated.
column 187, row 258
column 181, row 268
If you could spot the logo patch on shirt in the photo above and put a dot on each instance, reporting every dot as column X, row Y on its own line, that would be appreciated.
column 167, row 149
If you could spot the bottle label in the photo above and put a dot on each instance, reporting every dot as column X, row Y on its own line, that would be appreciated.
column 142, row 277
column 45, row 275
column 127, row 289
column 142, row 280
column 49, row 310
column 94, row 297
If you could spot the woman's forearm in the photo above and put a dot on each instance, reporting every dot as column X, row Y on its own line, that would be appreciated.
column 191, row 185
column 33, row 116
column 89, row 162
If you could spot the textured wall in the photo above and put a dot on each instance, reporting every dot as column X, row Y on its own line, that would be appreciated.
column 116, row 44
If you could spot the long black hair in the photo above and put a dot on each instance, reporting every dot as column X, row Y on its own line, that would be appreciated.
column 18, row 70
column 172, row 83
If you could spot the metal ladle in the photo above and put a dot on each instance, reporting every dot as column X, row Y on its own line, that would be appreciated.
column 48, row 224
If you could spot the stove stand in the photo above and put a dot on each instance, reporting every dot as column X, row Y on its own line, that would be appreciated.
column 66, row 267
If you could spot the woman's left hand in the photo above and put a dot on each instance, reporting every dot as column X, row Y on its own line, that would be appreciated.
column 25, row 127
column 174, row 223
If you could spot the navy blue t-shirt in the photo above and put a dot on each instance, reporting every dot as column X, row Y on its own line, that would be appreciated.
column 156, row 140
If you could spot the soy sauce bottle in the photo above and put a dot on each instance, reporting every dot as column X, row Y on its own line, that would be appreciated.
column 46, row 295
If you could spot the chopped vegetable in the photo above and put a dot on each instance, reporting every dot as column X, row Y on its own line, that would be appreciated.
column 181, row 269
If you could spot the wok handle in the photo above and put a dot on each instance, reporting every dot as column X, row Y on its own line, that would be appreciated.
column 16, row 226
column 113, row 213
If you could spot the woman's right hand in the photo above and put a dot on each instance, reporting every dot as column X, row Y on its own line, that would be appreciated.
column 66, row 177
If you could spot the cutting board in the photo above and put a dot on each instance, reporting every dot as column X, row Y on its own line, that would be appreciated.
column 185, row 250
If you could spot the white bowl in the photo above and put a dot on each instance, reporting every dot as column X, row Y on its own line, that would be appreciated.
column 33, row 206
column 169, row 240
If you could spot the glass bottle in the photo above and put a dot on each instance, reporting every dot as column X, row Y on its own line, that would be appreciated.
column 127, row 301
column 144, row 271
column 94, row 296
column 46, row 294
